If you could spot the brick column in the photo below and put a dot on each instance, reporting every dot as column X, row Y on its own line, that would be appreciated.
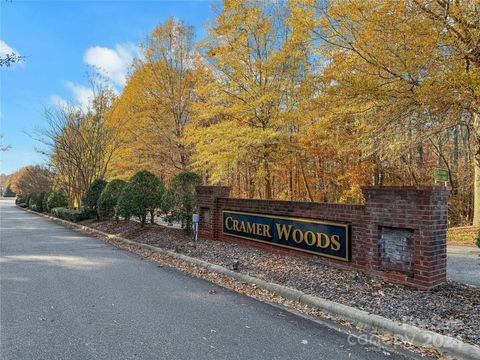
column 207, row 207
column 406, row 231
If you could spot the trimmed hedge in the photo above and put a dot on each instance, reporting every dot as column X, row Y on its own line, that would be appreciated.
column 32, row 201
column 57, row 199
column 71, row 214
column 140, row 196
column 36, row 202
column 45, row 199
column 180, row 200
column 124, row 203
column 27, row 199
column 107, row 203
column 91, row 196
column 21, row 201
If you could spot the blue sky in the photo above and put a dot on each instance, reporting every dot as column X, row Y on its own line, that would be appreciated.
column 61, row 41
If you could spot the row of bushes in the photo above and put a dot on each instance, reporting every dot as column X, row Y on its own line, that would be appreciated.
column 71, row 214
column 54, row 202
column 143, row 195
column 43, row 201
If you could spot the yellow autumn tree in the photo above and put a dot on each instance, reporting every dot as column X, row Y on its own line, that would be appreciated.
column 79, row 145
column 248, row 114
column 156, row 103
column 310, row 100
column 402, row 73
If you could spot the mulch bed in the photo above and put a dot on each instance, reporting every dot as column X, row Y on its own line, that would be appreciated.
column 452, row 309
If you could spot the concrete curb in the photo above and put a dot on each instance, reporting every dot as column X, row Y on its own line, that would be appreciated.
column 368, row 321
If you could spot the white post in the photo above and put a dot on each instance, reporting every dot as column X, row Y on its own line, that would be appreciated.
column 195, row 220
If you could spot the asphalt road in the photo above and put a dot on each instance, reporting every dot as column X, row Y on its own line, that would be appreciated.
column 65, row 295
column 463, row 264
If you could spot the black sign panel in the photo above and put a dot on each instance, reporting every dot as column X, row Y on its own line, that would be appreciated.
column 323, row 238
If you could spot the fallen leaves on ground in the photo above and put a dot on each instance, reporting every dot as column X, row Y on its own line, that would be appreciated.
column 452, row 309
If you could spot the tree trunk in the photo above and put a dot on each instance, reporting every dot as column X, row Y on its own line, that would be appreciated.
column 476, row 171
column 183, row 159
column 251, row 185
column 267, row 180
column 305, row 181
column 476, row 188
column 290, row 181
column 152, row 216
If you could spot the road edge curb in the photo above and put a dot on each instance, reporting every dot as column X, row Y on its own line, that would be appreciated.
column 363, row 319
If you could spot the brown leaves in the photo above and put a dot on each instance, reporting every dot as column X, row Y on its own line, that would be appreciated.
column 451, row 309
column 31, row 179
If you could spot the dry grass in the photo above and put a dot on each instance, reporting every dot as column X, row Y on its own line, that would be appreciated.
column 462, row 235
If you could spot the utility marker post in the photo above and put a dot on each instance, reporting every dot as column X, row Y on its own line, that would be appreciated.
column 195, row 220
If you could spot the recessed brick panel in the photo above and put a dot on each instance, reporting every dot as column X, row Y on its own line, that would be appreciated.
column 396, row 249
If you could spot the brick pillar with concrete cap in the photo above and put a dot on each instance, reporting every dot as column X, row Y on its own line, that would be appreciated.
column 207, row 200
column 407, row 229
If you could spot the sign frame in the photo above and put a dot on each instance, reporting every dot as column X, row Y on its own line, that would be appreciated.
column 441, row 175
column 346, row 226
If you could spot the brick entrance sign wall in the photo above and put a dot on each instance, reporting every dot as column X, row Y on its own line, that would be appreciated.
column 399, row 234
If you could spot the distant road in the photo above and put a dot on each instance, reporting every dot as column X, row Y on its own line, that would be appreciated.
column 463, row 264
column 65, row 295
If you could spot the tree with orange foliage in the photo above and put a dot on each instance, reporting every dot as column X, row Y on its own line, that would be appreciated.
column 31, row 179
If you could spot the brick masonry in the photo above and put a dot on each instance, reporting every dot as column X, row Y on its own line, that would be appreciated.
column 399, row 234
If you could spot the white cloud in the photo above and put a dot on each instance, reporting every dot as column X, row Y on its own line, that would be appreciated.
column 6, row 49
column 112, row 63
column 82, row 97
column 59, row 102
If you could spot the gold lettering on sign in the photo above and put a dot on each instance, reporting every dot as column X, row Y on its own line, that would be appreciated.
column 283, row 232
column 266, row 231
column 247, row 227
column 335, row 242
column 310, row 238
column 323, row 241
column 242, row 226
column 226, row 223
column 297, row 236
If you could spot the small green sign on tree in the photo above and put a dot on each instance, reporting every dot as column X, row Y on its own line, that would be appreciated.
column 441, row 175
